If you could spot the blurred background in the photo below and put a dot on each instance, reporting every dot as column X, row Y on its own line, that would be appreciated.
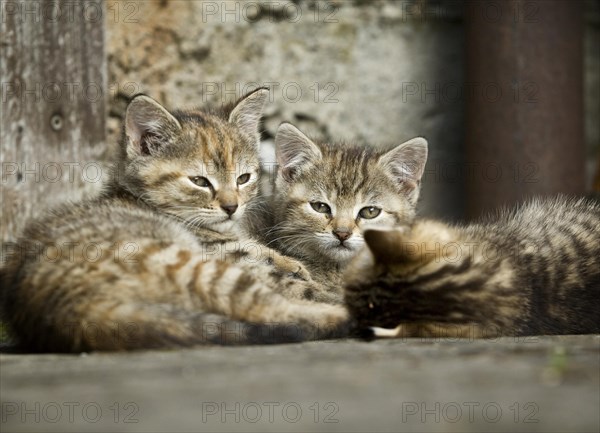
column 506, row 92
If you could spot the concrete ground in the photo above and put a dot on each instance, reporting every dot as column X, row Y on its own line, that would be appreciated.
column 542, row 384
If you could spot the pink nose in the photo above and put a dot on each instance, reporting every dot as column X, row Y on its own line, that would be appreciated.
column 342, row 234
column 229, row 208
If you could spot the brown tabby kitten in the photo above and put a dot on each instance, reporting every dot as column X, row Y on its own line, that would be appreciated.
column 535, row 270
column 326, row 194
column 157, row 260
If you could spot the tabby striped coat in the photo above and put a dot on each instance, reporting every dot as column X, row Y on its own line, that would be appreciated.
column 159, row 260
column 535, row 270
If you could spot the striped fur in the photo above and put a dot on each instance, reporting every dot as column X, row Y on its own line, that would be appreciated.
column 346, row 178
column 159, row 259
column 535, row 270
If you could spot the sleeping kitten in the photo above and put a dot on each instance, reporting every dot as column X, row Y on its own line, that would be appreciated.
column 326, row 194
column 535, row 270
column 157, row 260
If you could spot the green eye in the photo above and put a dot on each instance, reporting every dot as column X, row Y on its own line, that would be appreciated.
column 201, row 181
column 320, row 207
column 369, row 212
column 244, row 178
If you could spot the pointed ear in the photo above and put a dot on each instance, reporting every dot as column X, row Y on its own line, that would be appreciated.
column 406, row 162
column 247, row 112
column 148, row 126
column 424, row 241
column 294, row 150
column 387, row 246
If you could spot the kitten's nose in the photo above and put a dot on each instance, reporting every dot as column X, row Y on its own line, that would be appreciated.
column 229, row 208
column 342, row 234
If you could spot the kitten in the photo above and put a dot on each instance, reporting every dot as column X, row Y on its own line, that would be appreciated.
column 326, row 194
column 157, row 260
column 535, row 270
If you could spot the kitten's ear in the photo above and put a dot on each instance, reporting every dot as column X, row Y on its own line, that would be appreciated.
column 148, row 126
column 247, row 112
column 385, row 245
column 406, row 162
column 419, row 243
column 294, row 150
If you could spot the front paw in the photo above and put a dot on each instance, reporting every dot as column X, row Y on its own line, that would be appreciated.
column 289, row 267
column 301, row 273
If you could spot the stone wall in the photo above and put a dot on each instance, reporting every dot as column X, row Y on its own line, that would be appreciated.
column 376, row 72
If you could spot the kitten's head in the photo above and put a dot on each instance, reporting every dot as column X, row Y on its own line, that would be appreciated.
column 200, row 166
column 388, row 279
column 328, row 194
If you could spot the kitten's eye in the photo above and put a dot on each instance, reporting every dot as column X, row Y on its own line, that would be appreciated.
column 201, row 181
column 369, row 213
column 244, row 178
column 320, row 207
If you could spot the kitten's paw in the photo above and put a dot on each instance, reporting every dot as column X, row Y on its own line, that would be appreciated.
column 404, row 330
column 301, row 273
column 290, row 267
column 385, row 332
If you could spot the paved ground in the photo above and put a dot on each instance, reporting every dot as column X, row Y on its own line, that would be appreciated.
column 547, row 384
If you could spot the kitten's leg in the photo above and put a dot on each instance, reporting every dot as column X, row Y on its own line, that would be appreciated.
column 287, row 265
column 159, row 326
column 291, row 286
column 292, row 279
column 235, row 292
column 138, row 326
column 307, row 290
column 251, row 252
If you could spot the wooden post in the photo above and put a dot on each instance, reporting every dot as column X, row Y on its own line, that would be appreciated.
column 525, row 114
column 53, row 105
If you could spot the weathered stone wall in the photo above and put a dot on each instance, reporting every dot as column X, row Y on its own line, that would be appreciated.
column 376, row 72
